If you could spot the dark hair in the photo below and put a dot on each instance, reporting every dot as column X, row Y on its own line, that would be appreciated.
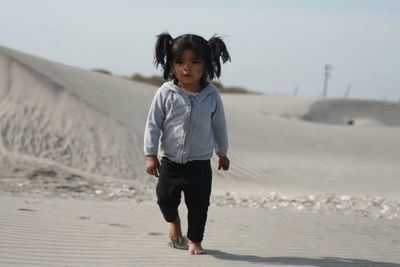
column 210, row 52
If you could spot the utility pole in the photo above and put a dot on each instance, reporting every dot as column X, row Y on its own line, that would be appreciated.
column 346, row 94
column 327, row 75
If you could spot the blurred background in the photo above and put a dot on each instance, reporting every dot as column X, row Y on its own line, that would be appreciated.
column 341, row 48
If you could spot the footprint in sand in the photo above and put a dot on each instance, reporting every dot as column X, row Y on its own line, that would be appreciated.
column 119, row 225
column 85, row 218
column 155, row 234
column 30, row 210
column 33, row 202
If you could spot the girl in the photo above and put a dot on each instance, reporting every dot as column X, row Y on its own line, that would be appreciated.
column 186, row 123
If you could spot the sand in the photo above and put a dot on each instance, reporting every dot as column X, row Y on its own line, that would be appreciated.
column 313, row 182
column 70, row 232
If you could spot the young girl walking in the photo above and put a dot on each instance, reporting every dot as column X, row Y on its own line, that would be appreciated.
column 185, row 125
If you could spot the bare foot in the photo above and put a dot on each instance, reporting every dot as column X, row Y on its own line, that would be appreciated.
column 195, row 248
column 174, row 229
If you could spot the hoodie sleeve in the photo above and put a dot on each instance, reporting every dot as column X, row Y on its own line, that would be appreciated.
column 154, row 123
column 219, row 128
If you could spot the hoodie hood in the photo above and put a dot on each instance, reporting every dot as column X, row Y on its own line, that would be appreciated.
column 210, row 88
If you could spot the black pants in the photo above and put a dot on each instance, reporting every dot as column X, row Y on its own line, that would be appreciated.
column 194, row 179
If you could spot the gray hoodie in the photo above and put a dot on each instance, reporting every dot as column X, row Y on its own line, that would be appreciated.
column 183, row 132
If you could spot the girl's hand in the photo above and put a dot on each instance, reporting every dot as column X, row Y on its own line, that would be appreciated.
column 223, row 162
column 153, row 165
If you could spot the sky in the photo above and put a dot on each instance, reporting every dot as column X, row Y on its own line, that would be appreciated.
column 278, row 47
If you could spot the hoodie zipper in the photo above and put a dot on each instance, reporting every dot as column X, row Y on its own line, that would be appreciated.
column 191, row 106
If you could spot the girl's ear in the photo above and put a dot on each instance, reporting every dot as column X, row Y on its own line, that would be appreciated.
column 171, row 74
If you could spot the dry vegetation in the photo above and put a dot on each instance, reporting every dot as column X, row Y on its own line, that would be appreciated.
column 157, row 80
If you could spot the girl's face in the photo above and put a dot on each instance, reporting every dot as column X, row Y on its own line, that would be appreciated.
column 188, row 69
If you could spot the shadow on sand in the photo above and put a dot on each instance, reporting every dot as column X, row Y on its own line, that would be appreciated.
column 320, row 262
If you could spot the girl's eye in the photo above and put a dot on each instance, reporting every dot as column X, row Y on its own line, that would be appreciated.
column 178, row 62
column 196, row 61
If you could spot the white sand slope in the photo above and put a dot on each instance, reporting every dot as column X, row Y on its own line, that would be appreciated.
column 55, row 232
column 92, row 122
column 70, row 132
column 275, row 147
column 77, row 118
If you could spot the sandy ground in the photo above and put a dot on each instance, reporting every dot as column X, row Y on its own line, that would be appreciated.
column 313, row 182
column 70, row 232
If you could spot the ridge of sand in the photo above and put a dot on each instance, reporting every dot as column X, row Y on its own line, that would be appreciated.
column 94, row 123
column 74, row 117
column 56, row 118
column 69, row 232
column 354, row 112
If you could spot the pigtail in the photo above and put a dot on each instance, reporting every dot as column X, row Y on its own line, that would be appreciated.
column 162, row 53
column 218, row 50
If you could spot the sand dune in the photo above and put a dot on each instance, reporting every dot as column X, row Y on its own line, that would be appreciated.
column 93, row 123
column 70, row 133
column 274, row 146
column 354, row 112
column 77, row 118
